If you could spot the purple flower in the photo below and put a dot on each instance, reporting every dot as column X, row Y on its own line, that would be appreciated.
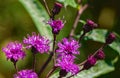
column 91, row 61
column 68, row 47
column 67, row 64
column 99, row 55
column 14, row 51
column 41, row 44
column 90, row 25
column 56, row 9
column 26, row 74
column 56, row 25
column 111, row 37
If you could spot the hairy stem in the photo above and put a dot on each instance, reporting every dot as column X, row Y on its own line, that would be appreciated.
column 54, row 54
column 15, row 65
column 34, row 61
column 76, row 73
column 51, row 71
column 79, row 12
column 45, row 64
column 81, row 37
column 93, row 54
column 47, row 8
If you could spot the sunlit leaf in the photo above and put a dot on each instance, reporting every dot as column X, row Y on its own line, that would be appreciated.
column 71, row 3
column 99, row 35
column 38, row 15
column 100, row 68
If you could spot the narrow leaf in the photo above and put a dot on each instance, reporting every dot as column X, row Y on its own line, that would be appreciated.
column 38, row 15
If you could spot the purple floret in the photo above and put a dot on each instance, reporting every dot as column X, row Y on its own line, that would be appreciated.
column 26, row 74
column 41, row 44
column 56, row 25
column 68, row 47
column 14, row 51
column 67, row 64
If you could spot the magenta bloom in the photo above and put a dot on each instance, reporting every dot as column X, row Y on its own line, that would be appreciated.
column 67, row 64
column 56, row 25
column 14, row 51
column 41, row 44
column 68, row 47
column 26, row 74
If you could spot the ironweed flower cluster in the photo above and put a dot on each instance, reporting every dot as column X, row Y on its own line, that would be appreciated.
column 63, row 53
column 26, row 74
column 41, row 44
column 14, row 51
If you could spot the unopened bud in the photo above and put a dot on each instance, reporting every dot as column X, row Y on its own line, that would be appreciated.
column 56, row 9
column 90, row 25
column 111, row 37
column 100, row 55
column 91, row 61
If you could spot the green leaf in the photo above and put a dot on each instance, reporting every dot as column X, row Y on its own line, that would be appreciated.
column 100, row 36
column 82, row 21
column 38, row 15
column 97, row 35
column 66, row 3
column 100, row 68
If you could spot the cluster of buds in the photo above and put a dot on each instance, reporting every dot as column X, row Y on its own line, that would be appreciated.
column 98, row 55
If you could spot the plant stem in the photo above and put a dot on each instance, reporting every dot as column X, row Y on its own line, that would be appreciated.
column 45, row 64
column 46, row 6
column 15, row 66
column 51, row 71
column 34, row 61
column 79, row 12
column 76, row 73
column 54, row 54
column 81, row 36
column 79, row 1
column 93, row 54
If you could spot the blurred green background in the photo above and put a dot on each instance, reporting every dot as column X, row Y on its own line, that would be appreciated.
column 15, row 23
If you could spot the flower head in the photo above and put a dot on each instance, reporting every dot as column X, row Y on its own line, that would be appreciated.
column 90, row 25
column 14, row 51
column 56, row 9
column 26, row 74
column 56, row 25
column 67, row 64
column 99, row 55
column 91, row 61
column 111, row 37
column 68, row 47
column 41, row 44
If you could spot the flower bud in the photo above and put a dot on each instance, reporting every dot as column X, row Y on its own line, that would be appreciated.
column 91, row 61
column 99, row 55
column 90, row 25
column 111, row 37
column 56, row 9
